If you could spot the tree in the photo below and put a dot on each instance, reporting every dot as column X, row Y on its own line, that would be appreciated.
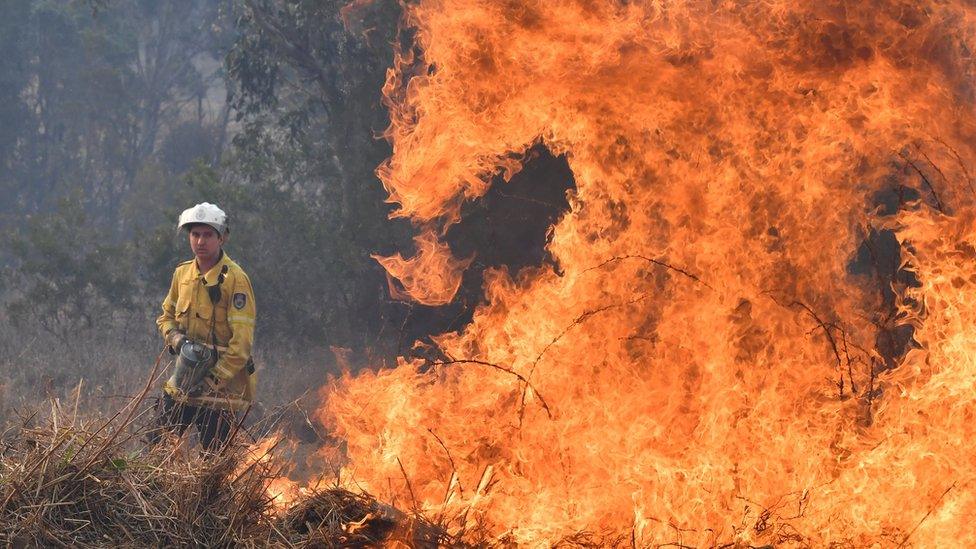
column 309, row 94
column 70, row 278
column 90, row 89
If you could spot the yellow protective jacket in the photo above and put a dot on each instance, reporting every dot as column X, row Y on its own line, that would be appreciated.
column 187, row 307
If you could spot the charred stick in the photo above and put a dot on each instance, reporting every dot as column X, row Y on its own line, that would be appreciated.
column 579, row 320
column 449, row 458
column 965, row 170
column 847, row 357
column 936, row 168
column 657, row 262
column 152, row 379
column 413, row 498
column 830, row 337
column 933, row 508
column 542, row 401
column 827, row 332
column 935, row 195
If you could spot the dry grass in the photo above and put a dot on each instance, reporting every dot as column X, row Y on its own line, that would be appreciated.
column 111, row 363
column 67, row 479
column 77, row 471
column 339, row 518
column 88, row 483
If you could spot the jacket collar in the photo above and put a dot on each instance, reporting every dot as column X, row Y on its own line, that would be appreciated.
column 211, row 276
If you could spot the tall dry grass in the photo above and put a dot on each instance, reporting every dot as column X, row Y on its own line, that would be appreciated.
column 70, row 478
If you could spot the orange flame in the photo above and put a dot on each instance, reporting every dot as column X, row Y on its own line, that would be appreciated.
column 431, row 277
column 282, row 492
column 705, row 368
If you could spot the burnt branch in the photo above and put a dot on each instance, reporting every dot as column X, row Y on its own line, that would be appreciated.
column 772, row 519
column 531, row 200
column 830, row 338
column 928, row 183
column 841, row 350
column 449, row 458
column 962, row 165
column 849, row 360
column 931, row 510
column 871, row 393
column 520, row 377
column 134, row 404
column 406, row 479
column 653, row 261
column 579, row 320
column 936, row 168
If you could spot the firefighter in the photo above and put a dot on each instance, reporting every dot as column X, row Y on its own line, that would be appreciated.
column 208, row 322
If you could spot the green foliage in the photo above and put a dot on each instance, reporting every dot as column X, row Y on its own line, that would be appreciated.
column 311, row 283
column 113, row 120
column 14, row 74
column 87, row 90
column 70, row 277
column 308, row 91
column 187, row 144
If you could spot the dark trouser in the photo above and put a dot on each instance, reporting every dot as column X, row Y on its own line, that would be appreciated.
column 214, row 425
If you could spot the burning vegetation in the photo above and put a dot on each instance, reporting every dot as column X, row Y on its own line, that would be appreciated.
column 76, row 482
column 754, row 325
column 759, row 324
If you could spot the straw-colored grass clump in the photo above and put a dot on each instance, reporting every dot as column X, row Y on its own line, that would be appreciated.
column 70, row 481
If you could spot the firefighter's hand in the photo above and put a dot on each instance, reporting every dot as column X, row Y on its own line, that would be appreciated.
column 207, row 386
column 175, row 340
column 212, row 382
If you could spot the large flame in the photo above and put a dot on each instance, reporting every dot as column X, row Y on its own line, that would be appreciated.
column 704, row 367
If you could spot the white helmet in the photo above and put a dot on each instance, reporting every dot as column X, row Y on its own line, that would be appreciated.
column 205, row 213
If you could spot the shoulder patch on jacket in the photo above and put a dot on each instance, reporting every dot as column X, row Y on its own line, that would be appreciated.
column 240, row 300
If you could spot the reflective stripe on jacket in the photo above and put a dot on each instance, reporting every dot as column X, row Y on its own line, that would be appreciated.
column 187, row 307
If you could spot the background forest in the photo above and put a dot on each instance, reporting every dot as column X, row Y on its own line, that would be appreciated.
column 117, row 114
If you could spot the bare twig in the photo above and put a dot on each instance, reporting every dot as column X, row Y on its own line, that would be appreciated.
column 849, row 360
column 936, row 168
column 413, row 498
column 520, row 377
column 576, row 322
column 135, row 400
column 657, row 262
column 935, row 195
column 930, row 511
column 449, row 458
column 828, row 333
column 965, row 170
column 529, row 199
column 134, row 405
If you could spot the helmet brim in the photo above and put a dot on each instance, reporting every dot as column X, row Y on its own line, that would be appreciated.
column 189, row 225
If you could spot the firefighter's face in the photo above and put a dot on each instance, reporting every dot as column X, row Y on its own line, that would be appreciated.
column 205, row 242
